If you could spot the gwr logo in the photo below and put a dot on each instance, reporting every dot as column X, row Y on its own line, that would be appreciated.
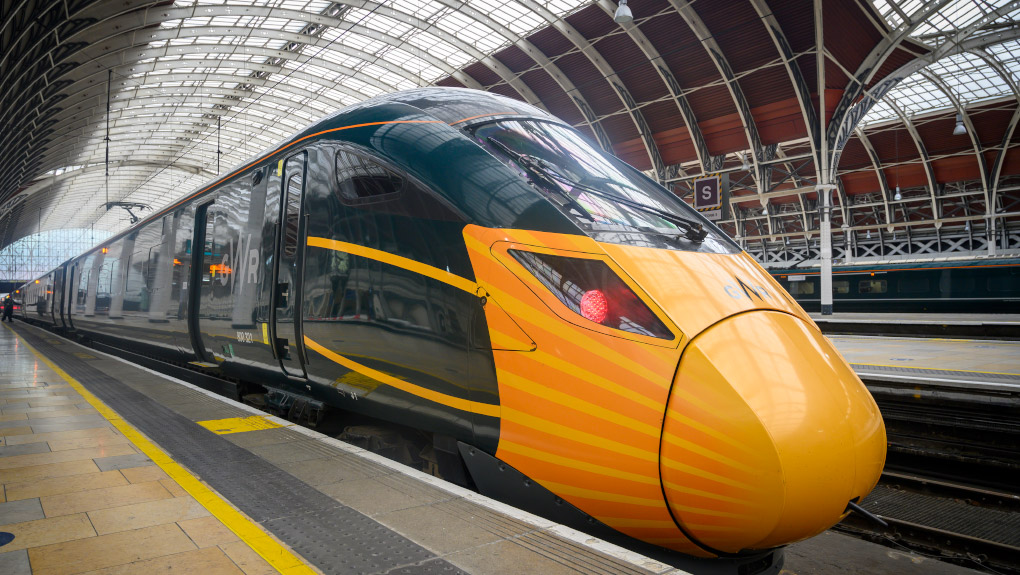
column 742, row 290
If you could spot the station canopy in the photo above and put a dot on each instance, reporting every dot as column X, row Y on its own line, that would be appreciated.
column 917, row 126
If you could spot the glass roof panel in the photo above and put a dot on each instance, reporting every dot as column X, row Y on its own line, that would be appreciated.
column 969, row 77
column 223, row 56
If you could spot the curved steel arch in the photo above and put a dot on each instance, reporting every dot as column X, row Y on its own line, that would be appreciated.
column 607, row 71
column 971, row 131
column 494, row 65
column 995, row 170
column 929, row 172
column 707, row 161
column 762, row 173
column 876, row 164
column 542, row 60
column 850, row 111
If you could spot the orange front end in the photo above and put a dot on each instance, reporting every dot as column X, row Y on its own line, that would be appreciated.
column 759, row 438
column 768, row 435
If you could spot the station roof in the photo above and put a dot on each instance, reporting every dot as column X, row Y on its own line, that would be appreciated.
column 688, row 88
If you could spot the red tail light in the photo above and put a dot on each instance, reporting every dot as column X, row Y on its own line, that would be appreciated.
column 594, row 306
column 592, row 290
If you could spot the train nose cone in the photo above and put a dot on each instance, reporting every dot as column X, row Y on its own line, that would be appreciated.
column 768, row 434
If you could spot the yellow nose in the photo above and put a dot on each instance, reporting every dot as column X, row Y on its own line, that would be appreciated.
column 768, row 434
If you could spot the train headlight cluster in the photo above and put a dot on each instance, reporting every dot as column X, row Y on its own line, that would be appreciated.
column 587, row 286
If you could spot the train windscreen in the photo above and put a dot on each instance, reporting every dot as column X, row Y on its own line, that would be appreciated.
column 607, row 198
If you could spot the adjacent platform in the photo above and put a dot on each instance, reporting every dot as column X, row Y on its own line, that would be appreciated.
column 958, row 363
column 1004, row 326
column 109, row 468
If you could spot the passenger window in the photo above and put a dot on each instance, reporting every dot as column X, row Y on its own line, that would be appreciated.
column 802, row 288
column 1010, row 283
column 292, row 216
column 841, row 286
column 872, row 286
column 912, row 285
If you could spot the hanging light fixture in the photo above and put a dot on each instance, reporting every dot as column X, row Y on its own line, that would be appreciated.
column 623, row 14
column 868, row 236
column 967, row 227
column 960, row 129
column 744, row 165
column 898, row 196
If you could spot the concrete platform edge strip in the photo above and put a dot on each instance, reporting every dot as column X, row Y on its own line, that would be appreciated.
column 276, row 554
column 563, row 531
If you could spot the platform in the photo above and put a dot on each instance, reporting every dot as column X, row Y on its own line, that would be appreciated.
column 960, row 363
column 1004, row 326
column 110, row 468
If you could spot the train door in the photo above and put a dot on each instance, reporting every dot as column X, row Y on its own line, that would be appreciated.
column 70, row 293
column 58, row 296
column 286, row 298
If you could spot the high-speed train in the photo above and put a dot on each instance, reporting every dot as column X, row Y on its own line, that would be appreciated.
column 470, row 266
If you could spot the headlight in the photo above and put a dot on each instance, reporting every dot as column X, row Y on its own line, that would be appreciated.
column 589, row 288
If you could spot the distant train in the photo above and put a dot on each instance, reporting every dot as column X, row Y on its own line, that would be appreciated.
column 465, row 264
column 973, row 286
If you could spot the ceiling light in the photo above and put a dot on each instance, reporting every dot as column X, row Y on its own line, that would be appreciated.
column 960, row 129
column 967, row 227
column 623, row 14
column 869, row 235
column 743, row 162
column 898, row 195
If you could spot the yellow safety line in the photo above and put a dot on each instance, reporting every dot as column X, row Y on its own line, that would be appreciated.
column 935, row 369
column 401, row 262
column 448, row 400
column 276, row 554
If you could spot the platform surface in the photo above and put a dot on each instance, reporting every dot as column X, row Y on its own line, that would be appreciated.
column 80, row 496
column 920, row 318
column 963, row 362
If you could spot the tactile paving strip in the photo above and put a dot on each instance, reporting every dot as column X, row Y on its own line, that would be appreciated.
column 858, row 367
column 332, row 536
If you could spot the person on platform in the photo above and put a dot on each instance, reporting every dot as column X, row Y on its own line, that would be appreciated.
column 9, row 309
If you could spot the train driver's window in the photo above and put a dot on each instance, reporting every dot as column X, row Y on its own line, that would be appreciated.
column 872, row 286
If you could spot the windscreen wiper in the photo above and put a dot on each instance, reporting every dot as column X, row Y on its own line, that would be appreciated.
column 693, row 231
column 538, row 173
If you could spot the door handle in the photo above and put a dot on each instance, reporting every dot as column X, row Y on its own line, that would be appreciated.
column 282, row 292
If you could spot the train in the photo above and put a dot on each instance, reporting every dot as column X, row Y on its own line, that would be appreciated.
column 572, row 335
column 987, row 285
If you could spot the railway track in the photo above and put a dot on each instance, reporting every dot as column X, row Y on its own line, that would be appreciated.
column 950, row 486
column 973, row 527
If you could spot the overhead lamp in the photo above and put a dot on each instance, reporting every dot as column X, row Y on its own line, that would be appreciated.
column 744, row 165
column 960, row 129
column 898, row 196
column 868, row 236
column 967, row 227
column 787, row 241
column 623, row 14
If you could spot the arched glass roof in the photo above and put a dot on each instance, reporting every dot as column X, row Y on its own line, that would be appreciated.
column 971, row 76
column 220, row 76
column 687, row 88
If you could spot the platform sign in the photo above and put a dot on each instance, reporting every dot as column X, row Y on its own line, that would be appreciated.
column 708, row 197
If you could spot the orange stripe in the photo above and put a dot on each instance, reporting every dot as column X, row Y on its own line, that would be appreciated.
column 398, row 261
column 423, row 392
